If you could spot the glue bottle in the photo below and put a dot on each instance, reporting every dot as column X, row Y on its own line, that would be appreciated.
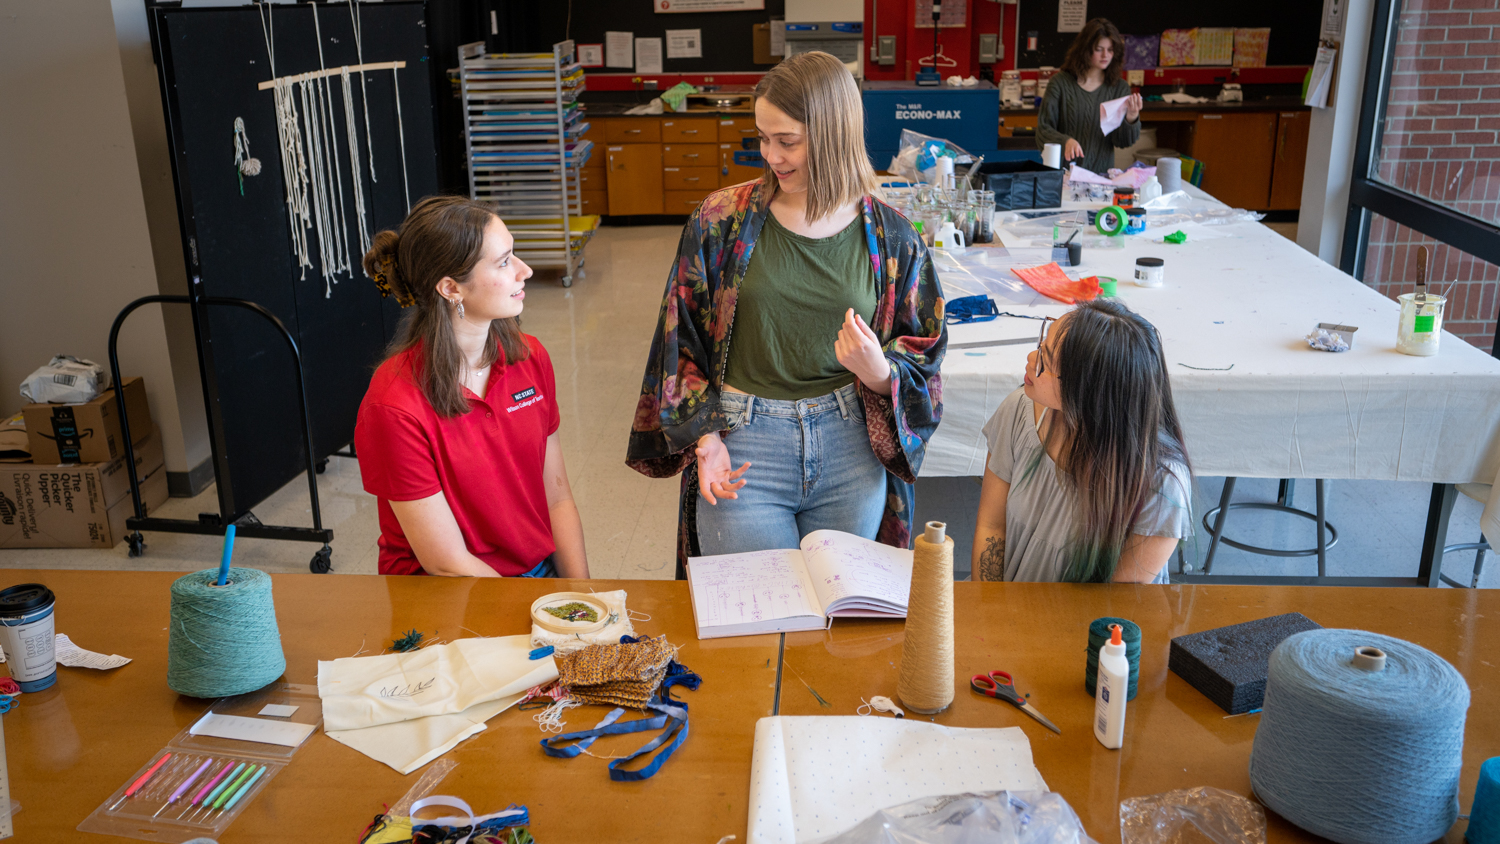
column 1111, row 690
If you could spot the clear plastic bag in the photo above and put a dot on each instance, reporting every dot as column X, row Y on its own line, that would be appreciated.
column 996, row 817
column 1178, row 207
column 916, row 158
column 1192, row 816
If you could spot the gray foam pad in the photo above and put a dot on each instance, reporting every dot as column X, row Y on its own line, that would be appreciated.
column 1228, row 664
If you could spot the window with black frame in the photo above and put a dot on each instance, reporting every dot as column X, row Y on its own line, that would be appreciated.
column 1427, row 164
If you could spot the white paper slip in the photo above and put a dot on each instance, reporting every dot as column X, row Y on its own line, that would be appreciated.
column 73, row 656
column 277, row 710
column 285, row 733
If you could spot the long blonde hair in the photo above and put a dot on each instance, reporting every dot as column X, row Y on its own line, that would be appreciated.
column 816, row 90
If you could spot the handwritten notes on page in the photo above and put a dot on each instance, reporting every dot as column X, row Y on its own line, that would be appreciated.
column 744, row 591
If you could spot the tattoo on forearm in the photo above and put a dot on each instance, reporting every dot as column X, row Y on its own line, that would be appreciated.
column 992, row 559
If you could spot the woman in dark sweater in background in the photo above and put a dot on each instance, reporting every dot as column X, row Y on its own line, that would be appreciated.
column 1092, row 73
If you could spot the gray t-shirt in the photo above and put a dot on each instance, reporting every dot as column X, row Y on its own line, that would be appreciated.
column 1040, row 512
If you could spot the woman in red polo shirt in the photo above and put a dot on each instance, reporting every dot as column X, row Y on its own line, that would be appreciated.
column 457, row 435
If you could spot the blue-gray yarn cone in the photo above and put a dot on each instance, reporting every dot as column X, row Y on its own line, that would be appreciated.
column 1356, row 756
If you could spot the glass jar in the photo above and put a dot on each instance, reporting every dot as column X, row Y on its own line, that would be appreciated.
column 1420, row 333
column 984, row 207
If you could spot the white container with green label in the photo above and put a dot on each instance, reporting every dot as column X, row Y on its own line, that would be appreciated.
column 1421, row 329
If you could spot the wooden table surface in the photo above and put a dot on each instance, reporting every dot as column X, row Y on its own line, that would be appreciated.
column 1174, row 736
column 71, row 746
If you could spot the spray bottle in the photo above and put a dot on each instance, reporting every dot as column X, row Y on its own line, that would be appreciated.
column 1111, row 690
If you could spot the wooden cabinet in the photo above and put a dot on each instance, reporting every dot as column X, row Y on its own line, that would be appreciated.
column 682, row 201
column 689, row 130
column 689, row 155
column 593, row 178
column 731, row 173
column 633, row 173
column 1238, row 151
column 705, row 179
column 736, row 129
column 594, row 202
column 662, row 165
column 632, row 130
column 1290, row 160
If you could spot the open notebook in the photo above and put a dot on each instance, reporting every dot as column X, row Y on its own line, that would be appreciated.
column 833, row 574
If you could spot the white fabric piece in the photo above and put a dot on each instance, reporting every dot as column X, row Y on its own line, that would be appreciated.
column 406, row 709
column 408, row 745
column 367, row 691
column 1183, row 99
column 1112, row 114
column 1285, row 410
column 609, row 634
column 817, row 776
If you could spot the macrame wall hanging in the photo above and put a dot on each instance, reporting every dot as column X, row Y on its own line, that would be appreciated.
column 306, row 128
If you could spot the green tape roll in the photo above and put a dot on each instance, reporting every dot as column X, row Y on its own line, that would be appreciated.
column 1111, row 220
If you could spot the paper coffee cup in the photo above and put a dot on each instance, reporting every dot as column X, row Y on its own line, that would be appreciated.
column 26, row 633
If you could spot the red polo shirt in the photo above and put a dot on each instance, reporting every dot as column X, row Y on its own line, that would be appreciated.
column 487, row 462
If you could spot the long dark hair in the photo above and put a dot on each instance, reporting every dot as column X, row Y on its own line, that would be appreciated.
column 1077, row 61
column 1126, row 438
column 442, row 236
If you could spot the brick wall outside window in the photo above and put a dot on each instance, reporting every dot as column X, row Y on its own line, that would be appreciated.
column 1442, row 143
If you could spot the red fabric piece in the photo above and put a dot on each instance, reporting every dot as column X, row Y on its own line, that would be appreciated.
column 487, row 462
column 1052, row 282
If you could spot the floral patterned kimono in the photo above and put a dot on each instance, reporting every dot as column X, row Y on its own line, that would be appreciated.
column 685, row 371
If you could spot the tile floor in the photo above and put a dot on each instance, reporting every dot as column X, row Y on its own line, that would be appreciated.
column 598, row 333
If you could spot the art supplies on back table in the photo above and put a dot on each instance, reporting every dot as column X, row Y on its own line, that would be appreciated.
column 833, row 574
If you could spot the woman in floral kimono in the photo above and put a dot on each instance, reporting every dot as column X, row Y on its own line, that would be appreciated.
column 830, row 390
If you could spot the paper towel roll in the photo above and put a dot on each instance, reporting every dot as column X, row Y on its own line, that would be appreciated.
column 1052, row 155
column 1169, row 173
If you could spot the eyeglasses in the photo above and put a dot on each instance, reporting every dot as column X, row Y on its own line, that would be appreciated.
column 1042, row 338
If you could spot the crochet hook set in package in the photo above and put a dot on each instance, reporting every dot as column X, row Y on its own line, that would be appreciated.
column 200, row 782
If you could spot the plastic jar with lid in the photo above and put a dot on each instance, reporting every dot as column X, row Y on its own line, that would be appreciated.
column 1150, row 272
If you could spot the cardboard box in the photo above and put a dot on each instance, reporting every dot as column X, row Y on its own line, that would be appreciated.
column 88, row 432
column 78, row 505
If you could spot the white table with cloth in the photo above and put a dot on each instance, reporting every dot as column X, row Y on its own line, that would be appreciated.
column 1242, row 296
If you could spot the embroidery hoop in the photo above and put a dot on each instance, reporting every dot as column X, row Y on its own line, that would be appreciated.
column 553, row 624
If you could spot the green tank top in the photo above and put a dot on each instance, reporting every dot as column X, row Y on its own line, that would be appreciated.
column 790, row 308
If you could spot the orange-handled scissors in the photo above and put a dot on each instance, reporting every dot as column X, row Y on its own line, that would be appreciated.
column 1000, row 686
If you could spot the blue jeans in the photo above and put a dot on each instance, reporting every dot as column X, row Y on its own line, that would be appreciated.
column 545, row 568
column 811, row 468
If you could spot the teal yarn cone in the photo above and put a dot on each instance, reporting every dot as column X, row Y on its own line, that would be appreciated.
column 1360, row 756
column 1130, row 634
column 223, row 640
column 1484, row 814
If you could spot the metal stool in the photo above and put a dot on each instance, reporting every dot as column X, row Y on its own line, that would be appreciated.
column 1328, row 535
column 1480, row 493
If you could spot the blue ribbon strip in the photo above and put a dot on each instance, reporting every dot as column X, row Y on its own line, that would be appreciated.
column 671, row 719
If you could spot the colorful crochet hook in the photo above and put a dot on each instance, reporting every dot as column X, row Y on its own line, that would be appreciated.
column 186, row 784
column 198, row 798
column 223, row 784
column 142, row 780
column 244, row 788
